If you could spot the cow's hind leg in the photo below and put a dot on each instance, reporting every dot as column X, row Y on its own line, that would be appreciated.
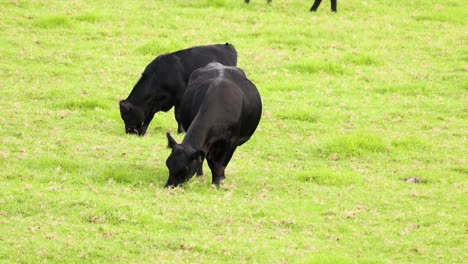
column 333, row 5
column 315, row 5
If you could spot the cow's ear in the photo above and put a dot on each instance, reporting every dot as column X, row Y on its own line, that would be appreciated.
column 170, row 141
column 125, row 105
column 198, row 155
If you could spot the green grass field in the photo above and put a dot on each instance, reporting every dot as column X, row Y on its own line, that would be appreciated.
column 354, row 102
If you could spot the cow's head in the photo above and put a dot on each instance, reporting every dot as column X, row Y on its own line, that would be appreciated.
column 133, row 117
column 182, row 163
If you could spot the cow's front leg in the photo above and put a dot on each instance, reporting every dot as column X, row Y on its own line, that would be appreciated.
column 145, row 124
column 217, row 172
column 200, row 168
column 180, row 128
column 177, row 115
column 220, row 161
column 218, row 176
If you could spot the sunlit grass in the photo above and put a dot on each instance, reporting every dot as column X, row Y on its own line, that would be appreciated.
column 353, row 103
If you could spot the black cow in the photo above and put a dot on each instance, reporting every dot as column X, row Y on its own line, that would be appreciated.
column 314, row 6
column 164, row 81
column 221, row 109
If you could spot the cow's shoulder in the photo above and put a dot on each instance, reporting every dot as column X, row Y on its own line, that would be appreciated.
column 163, row 64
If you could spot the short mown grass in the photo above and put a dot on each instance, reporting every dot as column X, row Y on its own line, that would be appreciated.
column 354, row 103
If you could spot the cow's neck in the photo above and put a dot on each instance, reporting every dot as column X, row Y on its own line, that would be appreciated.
column 197, row 133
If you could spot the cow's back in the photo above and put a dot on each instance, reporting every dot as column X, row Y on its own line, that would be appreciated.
column 198, row 57
column 226, row 95
column 174, row 69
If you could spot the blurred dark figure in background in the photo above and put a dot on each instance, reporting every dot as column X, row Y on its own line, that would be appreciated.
column 247, row 1
column 317, row 3
column 314, row 7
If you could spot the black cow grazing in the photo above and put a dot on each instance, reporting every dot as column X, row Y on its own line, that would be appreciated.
column 314, row 6
column 221, row 109
column 164, row 81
